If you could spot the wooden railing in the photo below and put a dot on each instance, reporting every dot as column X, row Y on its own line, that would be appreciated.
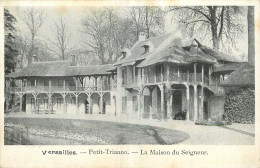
column 57, row 88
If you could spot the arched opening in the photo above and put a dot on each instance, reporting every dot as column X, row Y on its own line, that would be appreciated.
column 83, row 104
column 57, row 103
column 42, row 103
column 70, row 104
column 106, row 106
column 95, row 103
column 147, row 102
column 179, row 104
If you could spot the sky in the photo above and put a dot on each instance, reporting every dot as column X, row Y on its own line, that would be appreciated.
column 73, row 16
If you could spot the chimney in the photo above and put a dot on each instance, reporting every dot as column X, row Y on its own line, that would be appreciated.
column 141, row 36
column 124, row 54
column 73, row 60
column 182, row 27
column 34, row 58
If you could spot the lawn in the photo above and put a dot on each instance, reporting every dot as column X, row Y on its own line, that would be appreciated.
column 110, row 132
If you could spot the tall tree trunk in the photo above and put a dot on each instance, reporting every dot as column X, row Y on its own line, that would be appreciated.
column 251, row 35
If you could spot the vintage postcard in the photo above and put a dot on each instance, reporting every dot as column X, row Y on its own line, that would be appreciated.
column 129, row 84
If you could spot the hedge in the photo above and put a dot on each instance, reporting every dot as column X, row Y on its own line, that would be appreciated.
column 240, row 105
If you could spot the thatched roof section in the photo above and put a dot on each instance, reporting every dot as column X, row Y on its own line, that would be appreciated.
column 60, row 68
column 244, row 76
column 229, row 67
column 138, row 52
column 220, row 56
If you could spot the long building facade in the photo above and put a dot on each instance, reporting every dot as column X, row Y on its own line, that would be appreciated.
column 156, row 79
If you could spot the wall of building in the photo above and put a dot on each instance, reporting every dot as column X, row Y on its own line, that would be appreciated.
column 216, row 107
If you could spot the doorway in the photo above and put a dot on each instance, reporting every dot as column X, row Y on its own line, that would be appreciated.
column 176, row 102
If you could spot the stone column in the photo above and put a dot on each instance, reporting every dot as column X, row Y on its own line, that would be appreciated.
column 162, row 101
column 49, row 100
column 188, row 101
column 21, row 102
column 101, row 104
column 151, row 104
column 89, row 104
column 64, row 103
column 201, row 103
column 195, row 103
column 119, row 92
column 77, row 106
column 139, row 105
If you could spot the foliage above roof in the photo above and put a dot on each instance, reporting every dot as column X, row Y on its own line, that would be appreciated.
column 60, row 68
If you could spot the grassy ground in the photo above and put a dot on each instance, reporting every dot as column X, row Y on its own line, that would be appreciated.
column 113, row 133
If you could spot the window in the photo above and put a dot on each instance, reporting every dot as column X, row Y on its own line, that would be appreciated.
column 60, row 83
column 59, row 102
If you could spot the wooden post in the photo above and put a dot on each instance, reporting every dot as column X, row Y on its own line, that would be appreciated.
column 210, row 71
column 188, row 75
column 202, row 74
column 76, row 84
column 64, row 84
column 101, row 83
column 49, row 85
column 195, row 73
column 179, row 73
column 162, row 73
column 168, row 72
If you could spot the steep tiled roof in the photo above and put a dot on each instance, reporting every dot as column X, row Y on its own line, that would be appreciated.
column 60, row 68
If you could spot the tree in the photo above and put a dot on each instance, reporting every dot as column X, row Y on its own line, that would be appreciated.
column 107, row 33
column 10, row 56
column 216, row 20
column 33, row 19
column 62, row 39
column 148, row 19
column 10, row 50
column 251, row 35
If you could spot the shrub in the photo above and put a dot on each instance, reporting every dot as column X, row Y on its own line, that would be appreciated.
column 240, row 105
column 211, row 123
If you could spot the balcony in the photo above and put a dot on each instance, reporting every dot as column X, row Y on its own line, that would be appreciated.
column 61, row 89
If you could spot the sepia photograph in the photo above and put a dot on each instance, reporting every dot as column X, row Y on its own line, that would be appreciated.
column 129, row 75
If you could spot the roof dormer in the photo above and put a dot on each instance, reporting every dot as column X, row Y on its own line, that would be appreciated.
column 148, row 47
